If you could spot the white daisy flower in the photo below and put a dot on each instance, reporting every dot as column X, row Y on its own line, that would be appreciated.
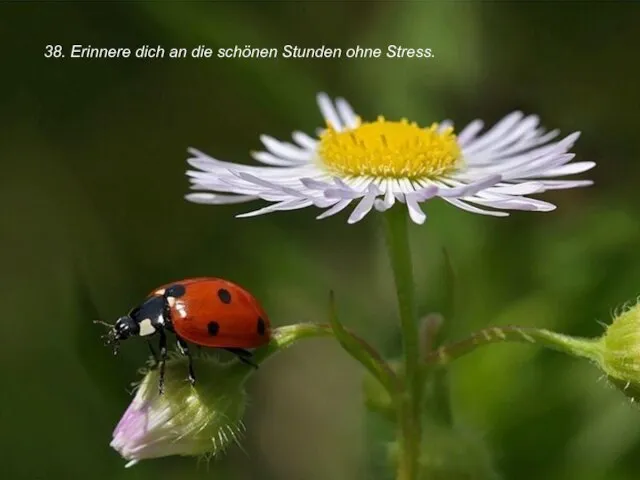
column 376, row 164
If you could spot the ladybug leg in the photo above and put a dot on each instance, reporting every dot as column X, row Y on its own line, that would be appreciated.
column 243, row 355
column 154, row 354
column 163, row 359
column 184, row 350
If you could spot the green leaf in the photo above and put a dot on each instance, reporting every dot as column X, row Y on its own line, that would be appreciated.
column 376, row 397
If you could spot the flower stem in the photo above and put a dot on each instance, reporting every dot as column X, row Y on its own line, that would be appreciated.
column 356, row 347
column 574, row 346
column 409, row 417
column 283, row 337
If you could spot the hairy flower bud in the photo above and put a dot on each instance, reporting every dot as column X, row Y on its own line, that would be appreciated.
column 184, row 420
column 620, row 352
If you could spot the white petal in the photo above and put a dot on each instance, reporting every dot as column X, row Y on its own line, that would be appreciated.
column 314, row 184
column 349, row 117
column 536, row 167
column 540, row 157
column 207, row 163
column 338, row 207
column 204, row 162
column 205, row 181
column 286, row 150
column 526, row 188
column 342, row 193
column 389, row 197
column 415, row 212
column 217, row 199
column 469, row 189
column 322, row 202
column 498, row 130
column 226, row 185
column 304, row 140
column 469, row 132
column 380, row 205
column 286, row 205
column 427, row 192
column 341, row 183
column 270, row 159
column 470, row 208
column 527, row 162
column 563, row 184
column 328, row 111
column 444, row 125
column 264, row 183
column 571, row 169
column 523, row 145
column 361, row 184
column 365, row 205
column 405, row 186
column 522, row 130
column 513, row 203
column 394, row 184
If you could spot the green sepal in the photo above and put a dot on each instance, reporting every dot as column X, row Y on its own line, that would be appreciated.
column 619, row 352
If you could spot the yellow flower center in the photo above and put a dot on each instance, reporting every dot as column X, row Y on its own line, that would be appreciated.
column 390, row 149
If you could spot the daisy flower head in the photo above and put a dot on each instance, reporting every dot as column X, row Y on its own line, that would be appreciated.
column 374, row 165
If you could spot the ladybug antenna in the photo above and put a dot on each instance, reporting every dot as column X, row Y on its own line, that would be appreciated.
column 100, row 322
column 109, row 338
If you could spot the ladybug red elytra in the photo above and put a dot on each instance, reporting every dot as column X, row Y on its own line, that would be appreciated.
column 205, row 311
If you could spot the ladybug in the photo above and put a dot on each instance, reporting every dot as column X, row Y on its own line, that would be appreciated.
column 205, row 311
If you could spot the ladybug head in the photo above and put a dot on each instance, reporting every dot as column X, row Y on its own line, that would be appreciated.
column 124, row 328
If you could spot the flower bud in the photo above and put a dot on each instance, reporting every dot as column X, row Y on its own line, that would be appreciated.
column 184, row 420
column 620, row 352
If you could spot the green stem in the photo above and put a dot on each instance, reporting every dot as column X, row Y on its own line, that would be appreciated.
column 410, row 423
column 358, row 348
column 574, row 346
column 284, row 337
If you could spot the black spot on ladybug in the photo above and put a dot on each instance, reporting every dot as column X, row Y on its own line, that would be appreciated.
column 175, row 291
column 224, row 295
column 261, row 326
column 213, row 328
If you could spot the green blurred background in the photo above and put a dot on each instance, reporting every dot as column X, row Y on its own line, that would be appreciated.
column 93, row 156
